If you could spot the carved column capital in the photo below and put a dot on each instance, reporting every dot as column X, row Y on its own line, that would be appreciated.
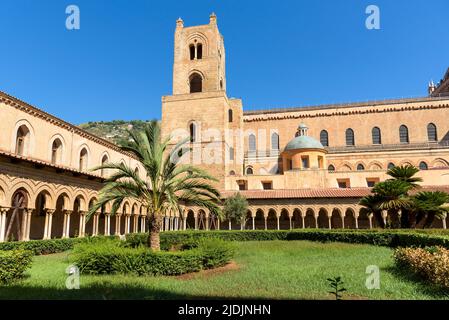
column 4, row 210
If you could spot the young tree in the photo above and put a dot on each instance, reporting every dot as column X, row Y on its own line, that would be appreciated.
column 235, row 208
column 167, row 184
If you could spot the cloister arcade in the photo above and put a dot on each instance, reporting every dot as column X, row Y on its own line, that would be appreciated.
column 36, row 205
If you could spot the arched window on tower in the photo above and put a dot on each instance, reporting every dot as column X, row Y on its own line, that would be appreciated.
column 403, row 134
column 249, row 171
column 199, row 51
column 331, row 168
column 22, row 140
column 252, row 143
column 192, row 52
column 192, row 129
column 230, row 118
column 83, row 160
column 432, row 132
column 350, row 141
column 391, row 165
column 376, row 135
column 196, row 83
column 56, row 151
column 275, row 141
column 360, row 167
column 324, row 138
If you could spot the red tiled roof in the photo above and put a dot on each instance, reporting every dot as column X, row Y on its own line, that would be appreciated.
column 316, row 193
column 48, row 164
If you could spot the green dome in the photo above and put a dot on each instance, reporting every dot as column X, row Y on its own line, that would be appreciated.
column 303, row 142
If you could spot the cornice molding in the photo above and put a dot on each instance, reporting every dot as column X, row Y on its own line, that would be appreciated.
column 298, row 114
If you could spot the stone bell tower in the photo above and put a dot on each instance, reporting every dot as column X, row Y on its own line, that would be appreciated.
column 199, row 64
column 199, row 105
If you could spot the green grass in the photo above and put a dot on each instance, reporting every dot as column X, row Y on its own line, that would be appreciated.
column 267, row 270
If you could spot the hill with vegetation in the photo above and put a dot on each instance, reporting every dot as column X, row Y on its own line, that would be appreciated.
column 115, row 131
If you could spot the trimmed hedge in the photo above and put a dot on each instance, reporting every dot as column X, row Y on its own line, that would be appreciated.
column 392, row 238
column 111, row 257
column 42, row 247
column 13, row 264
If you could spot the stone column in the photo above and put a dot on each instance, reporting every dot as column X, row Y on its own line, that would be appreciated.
column 370, row 218
column 107, row 224
column 356, row 221
column 95, row 223
column 290, row 222
column 184, row 223
column 266, row 227
column 196, row 222
column 444, row 222
column 66, row 227
column 303, row 218
column 27, row 218
column 82, row 224
column 117, row 224
column 48, row 224
column 316, row 221
column 207, row 222
column 3, row 212
column 330, row 222
column 127, row 223
column 136, row 224
column 254, row 222
column 142, row 224
column 218, row 223
column 278, row 224
column 343, row 221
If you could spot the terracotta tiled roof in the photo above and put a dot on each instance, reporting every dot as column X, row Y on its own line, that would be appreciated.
column 316, row 193
column 48, row 164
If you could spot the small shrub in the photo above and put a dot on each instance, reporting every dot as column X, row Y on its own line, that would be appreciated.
column 13, row 264
column 110, row 257
column 337, row 287
column 431, row 264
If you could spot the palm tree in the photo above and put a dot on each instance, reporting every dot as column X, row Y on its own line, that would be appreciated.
column 393, row 197
column 405, row 173
column 371, row 205
column 430, row 205
column 168, row 183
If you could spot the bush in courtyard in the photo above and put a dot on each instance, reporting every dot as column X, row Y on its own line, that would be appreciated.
column 13, row 264
column 112, row 257
column 431, row 264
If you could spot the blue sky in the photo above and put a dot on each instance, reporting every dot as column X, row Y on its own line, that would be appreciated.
column 279, row 53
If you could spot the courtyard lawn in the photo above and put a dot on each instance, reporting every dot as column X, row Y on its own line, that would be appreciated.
column 266, row 270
